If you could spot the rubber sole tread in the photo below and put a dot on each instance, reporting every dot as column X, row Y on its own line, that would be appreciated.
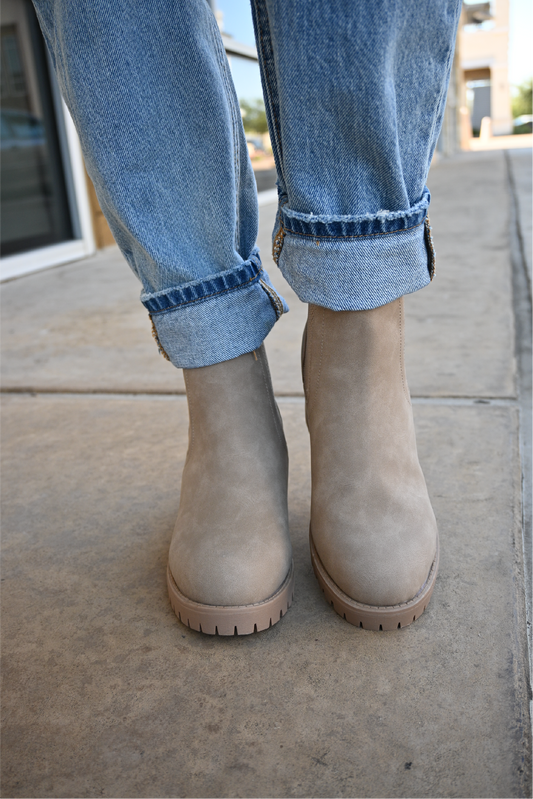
column 228, row 620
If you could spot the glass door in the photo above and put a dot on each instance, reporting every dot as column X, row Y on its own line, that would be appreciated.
column 39, row 199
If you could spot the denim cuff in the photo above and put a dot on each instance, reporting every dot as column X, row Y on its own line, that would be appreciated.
column 215, row 319
column 355, row 263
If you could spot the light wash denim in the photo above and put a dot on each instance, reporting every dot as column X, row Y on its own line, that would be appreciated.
column 355, row 94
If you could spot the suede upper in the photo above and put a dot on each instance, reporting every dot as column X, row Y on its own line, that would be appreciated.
column 231, row 542
column 371, row 518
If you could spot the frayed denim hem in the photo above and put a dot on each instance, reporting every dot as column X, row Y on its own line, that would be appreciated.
column 381, row 223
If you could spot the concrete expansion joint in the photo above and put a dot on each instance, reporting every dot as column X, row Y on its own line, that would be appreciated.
column 499, row 401
column 280, row 398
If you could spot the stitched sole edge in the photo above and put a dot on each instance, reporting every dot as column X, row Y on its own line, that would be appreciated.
column 371, row 617
column 231, row 619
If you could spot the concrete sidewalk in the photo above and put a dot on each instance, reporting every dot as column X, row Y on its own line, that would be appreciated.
column 107, row 694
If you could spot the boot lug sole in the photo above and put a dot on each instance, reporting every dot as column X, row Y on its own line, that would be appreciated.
column 231, row 619
column 372, row 617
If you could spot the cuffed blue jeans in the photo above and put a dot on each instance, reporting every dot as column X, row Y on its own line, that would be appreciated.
column 355, row 94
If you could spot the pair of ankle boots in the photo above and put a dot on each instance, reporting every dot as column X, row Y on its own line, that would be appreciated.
column 373, row 534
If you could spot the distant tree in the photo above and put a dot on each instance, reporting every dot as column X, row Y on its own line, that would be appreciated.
column 522, row 101
column 254, row 116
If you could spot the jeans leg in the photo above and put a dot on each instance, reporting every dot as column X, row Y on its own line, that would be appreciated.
column 355, row 94
column 150, row 92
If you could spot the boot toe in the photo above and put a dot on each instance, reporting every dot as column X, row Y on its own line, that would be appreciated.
column 380, row 567
column 230, row 576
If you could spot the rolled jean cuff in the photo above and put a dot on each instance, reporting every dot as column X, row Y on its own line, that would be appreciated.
column 215, row 319
column 355, row 263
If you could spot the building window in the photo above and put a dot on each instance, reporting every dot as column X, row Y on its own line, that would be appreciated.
column 35, row 207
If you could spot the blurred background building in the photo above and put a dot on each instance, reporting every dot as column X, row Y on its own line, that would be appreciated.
column 484, row 54
column 49, row 211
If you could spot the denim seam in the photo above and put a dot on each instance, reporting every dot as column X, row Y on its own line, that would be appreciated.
column 270, row 93
column 223, row 64
column 273, row 297
column 207, row 296
column 155, row 337
column 430, row 247
column 277, row 244
column 356, row 236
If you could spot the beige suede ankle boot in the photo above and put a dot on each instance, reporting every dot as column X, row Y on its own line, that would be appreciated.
column 230, row 568
column 373, row 535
